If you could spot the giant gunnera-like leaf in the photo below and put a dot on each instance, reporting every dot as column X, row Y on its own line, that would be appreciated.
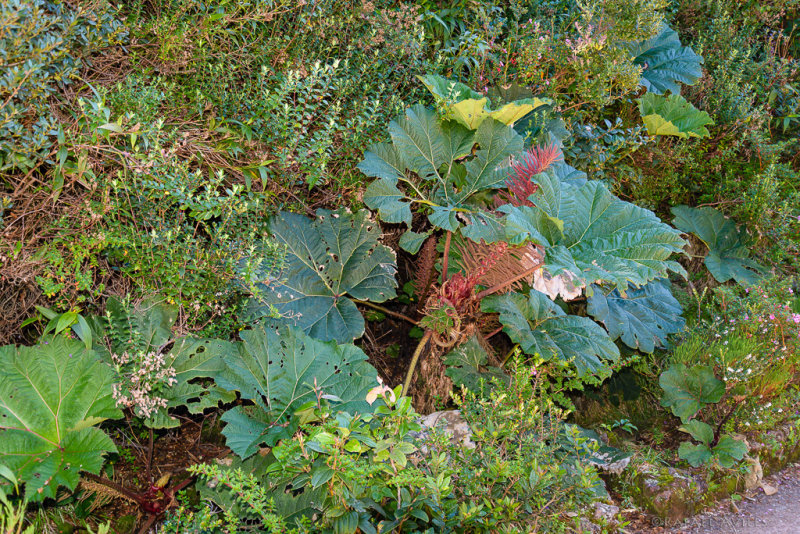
column 467, row 365
column 673, row 115
column 193, row 361
column 470, row 108
column 665, row 63
column 728, row 246
column 329, row 260
column 643, row 318
column 592, row 234
column 279, row 370
column 686, row 390
column 439, row 167
column 541, row 327
column 147, row 327
column 52, row 396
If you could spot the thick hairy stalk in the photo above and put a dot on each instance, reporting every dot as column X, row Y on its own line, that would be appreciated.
column 415, row 359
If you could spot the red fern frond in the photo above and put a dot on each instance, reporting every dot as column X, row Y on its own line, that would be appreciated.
column 520, row 182
column 460, row 289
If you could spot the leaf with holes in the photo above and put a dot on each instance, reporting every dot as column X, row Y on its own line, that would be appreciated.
column 728, row 246
column 541, row 327
column 329, row 260
column 673, row 115
column 52, row 396
column 643, row 318
column 278, row 370
column 665, row 63
column 193, row 360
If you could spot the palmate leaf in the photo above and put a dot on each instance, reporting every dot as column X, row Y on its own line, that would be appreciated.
column 329, row 260
column 51, row 397
column 467, row 366
column 193, row 359
column 541, row 327
column 594, row 235
column 431, row 165
column 643, row 318
column 278, row 370
column 673, row 115
column 665, row 62
column 686, row 390
column 696, row 454
column 470, row 108
column 728, row 246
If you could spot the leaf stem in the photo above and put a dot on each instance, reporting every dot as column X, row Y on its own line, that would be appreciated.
column 446, row 255
column 414, row 359
column 387, row 311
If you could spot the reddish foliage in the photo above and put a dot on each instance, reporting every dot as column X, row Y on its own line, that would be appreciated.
column 459, row 290
column 520, row 182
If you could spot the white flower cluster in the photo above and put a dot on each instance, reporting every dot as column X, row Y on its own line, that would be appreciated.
column 143, row 375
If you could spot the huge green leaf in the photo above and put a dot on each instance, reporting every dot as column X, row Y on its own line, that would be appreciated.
column 439, row 168
column 699, row 430
column 696, row 454
column 594, row 235
column 673, row 115
column 728, row 246
column 193, row 360
column 278, row 370
column 686, row 390
column 470, row 108
column 329, row 260
column 665, row 62
column 467, row 366
column 643, row 318
column 541, row 327
column 51, row 397
column 727, row 451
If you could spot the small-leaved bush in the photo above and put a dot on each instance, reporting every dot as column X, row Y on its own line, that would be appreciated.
column 46, row 44
column 378, row 472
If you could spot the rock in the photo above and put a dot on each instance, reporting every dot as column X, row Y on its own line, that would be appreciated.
column 754, row 475
column 611, row 461
column 670, row 494
column 452, row 423
column 769, row 490
column 587, row 527
column 605, row 512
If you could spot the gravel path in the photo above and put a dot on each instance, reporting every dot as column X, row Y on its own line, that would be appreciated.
column 757, row 513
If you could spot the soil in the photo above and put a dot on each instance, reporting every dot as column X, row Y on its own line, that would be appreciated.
column 174, row 450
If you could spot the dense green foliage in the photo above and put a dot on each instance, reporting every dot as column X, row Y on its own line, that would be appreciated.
column 231, row 223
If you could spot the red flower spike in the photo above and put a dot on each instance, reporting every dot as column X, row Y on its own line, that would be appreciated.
column 520, row 183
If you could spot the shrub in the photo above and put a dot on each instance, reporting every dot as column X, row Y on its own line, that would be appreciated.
column 375, row 473
column 46, row 45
